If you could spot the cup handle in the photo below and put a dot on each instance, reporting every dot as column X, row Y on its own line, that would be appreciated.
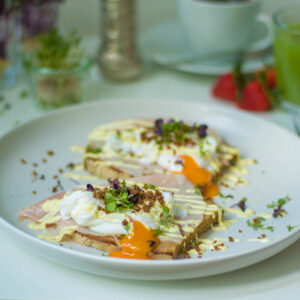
column 267, row 40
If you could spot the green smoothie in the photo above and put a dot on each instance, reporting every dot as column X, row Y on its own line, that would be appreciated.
column 287, row 57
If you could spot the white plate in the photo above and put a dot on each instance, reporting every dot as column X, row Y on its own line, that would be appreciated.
column 276, row 175
column 167, row 45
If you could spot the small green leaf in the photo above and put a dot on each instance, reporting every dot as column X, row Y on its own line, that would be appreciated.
column 158, row 231
column 228, row 196
column 127, row 227
column 110, row 206
column 290, row 227
column 257, row 224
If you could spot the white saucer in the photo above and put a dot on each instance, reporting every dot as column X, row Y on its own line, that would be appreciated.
column 167, row 45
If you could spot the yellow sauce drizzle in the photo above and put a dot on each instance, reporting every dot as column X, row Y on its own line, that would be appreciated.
column 262, row 240
column 58, row 238
column 265, row 215
column 80, row 176
column 78, row 149
column 241, row 214
column 51, row 207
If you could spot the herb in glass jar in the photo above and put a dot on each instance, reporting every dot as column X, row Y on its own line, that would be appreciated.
column 59, row 70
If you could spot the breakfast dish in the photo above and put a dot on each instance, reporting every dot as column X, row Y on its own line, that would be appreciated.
column 38, row 170
column 141, row 147
column 140, row 221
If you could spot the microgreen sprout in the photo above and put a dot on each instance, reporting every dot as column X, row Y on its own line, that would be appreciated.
column 257, row 224
column 290, row 227
column 277, row 206
column 91, row 149
column 165, row 216
column 158, row 231
column 225, row 196
column 197, row 190
column 56, row 52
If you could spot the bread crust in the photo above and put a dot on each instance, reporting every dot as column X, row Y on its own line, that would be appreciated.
column 103, row 171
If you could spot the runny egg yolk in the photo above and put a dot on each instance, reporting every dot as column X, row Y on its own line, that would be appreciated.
column 138, row 243
column 199, row 176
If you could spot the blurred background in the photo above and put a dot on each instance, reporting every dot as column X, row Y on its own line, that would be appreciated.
column 84, row 15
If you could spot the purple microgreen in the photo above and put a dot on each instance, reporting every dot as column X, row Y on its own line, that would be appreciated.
column 277, row 206
column 202, row 131
column 241, row 204
column 89, row 187
column 179, row 162
column 158, row 126
column 151, row 243
column 133, row 198
column 115, row 184
column 279, row 212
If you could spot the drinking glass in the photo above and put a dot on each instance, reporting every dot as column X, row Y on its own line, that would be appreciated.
column 287, row 59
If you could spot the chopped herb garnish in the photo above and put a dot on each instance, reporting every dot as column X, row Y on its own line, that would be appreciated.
column 241, row 204
column 7, row 106
column 202, row 131
column 165, row 216
column 89, row 187
column 158, row 231
column 59, row 185
column 277, row 206
column 42, row 177
column 23, row 161
column 56, row 52
column 117, row 198
column 149, row 186
column 176, row 132
column 119, row 134
column 70, row 166
column 24, row 94
column 226, row 196
column 257, row 224
column 127, row 227
column 151, row 243
column 197, row 190
column 290, row 227
column 280, row 202
column 50, row 152
column 201, row 149
column 91, row 149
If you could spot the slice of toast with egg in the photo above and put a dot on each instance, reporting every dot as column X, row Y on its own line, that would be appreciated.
column 141, row 147
column 160, row 220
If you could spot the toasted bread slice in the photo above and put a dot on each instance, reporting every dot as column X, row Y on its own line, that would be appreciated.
column 121, row 150
column 192, row 216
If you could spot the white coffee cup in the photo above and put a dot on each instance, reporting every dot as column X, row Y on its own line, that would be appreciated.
column 216, row 28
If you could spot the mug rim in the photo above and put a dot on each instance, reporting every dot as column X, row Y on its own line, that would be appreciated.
column 282, row 25
column 222, row 5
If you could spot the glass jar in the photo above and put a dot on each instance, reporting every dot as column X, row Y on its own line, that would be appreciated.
column 56, row 88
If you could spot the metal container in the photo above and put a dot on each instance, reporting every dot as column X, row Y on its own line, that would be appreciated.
column 118, row 58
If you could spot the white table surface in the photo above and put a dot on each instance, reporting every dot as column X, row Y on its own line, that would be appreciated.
column 26, row 276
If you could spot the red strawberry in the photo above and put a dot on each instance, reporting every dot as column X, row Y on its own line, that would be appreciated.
column 271, row 78
column 225, row 88
column 268, row 75
column 254, row 97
